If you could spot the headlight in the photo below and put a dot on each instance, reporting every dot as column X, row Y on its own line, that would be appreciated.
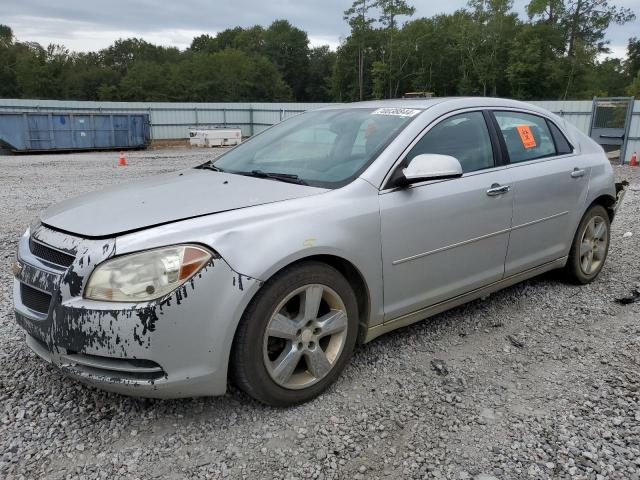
column 140, row 277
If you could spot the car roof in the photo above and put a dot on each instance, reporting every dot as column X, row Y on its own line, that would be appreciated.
column 425, row 103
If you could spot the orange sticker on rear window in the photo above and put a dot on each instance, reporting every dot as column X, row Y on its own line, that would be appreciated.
column 528, row 141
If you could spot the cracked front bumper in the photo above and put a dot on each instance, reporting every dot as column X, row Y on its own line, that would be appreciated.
column 177, row 346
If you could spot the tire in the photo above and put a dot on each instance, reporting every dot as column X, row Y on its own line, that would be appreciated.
column 589, row 242
column 262, row 364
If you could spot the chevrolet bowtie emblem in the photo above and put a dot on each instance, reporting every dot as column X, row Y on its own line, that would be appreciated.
column 16, row 268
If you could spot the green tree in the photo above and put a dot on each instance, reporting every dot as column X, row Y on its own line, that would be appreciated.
column 124, row 53
column 6, row 36
column 252, row 40
column 483, row 49
column 31, row 71
column 607, row 78
column 536, row 68
column 230, row 75
column 8, row 81
column 435, row 61
column 321, row 62
column 288, row 48
column 85, row 74
column 390, row 11
column 359, row 21
column 345, row 78
column 634, row 88
column 228, row 38
column 380, row 76
column 486, row 43
column 148, row 82
column 583, row 24
column 632, row 64
column 204, row 43
column 248, row 40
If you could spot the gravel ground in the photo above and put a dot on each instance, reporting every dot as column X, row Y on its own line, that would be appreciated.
column 538, row 381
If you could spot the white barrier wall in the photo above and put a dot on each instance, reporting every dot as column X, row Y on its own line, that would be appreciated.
column 578, row 112
column 173, row 120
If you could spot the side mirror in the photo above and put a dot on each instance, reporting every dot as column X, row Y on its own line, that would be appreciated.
column 431, row 166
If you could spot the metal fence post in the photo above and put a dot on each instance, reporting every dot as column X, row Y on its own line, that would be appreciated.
column 224, row 117
column 594, row 104
column 627, row 128
column 251, row 121
column 27, row 130
column 129, row 139
column 72, row 124
column 93, row 131
column 51, row 138
column 150, row 123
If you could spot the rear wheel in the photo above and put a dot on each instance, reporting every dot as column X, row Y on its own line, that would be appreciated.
column 296, row 336
column 590, row 246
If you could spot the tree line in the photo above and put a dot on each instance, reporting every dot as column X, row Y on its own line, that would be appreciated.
column 557, row 52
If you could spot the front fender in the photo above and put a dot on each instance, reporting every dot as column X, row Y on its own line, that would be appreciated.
column 261, row 240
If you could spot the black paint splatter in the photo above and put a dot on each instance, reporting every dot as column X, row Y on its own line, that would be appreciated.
column 148, row 318
column 74, row 281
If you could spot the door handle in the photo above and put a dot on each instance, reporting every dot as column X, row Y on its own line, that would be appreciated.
column 497, row 189
column 577, row 173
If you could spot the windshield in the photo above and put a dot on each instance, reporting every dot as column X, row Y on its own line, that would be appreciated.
column 324, row 148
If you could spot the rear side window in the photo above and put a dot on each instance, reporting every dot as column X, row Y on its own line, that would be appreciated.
column 527, row 136
column 562, row 144
column 464, row 136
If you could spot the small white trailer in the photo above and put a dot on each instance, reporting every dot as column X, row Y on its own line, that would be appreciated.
column 216, row 137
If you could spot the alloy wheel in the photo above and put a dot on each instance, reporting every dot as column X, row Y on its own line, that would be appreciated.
column 305, row 336
column 593, row 245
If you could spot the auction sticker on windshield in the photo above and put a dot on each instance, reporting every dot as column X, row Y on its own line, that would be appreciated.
column 397, row 112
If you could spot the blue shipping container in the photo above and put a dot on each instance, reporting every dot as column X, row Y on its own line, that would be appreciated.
column 45, row 131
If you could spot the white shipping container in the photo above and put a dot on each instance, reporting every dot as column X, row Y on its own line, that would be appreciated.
column 218, row 137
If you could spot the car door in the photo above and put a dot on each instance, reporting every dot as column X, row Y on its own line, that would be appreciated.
column 550, row 187
column 444, row 238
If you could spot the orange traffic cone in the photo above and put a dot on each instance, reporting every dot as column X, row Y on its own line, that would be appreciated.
column 634, row 160
column 123, row 160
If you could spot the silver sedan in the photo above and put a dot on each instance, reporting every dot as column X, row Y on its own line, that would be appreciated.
column 267, row 266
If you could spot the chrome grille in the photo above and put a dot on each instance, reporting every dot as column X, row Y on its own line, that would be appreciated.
column 49, row 254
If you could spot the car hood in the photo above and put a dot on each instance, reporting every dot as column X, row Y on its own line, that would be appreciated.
column 164, row 199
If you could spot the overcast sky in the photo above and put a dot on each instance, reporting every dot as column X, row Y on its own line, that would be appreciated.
column 85, row 25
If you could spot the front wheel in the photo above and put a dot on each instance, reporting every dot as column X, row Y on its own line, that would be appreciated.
column 590, row 246
column 296, row 336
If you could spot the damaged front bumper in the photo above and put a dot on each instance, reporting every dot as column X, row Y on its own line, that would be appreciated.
column 177, row 346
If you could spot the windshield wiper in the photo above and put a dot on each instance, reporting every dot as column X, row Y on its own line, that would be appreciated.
column 283, row 177
column 210, row 166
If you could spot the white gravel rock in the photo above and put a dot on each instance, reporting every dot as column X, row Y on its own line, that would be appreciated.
column 452, row 398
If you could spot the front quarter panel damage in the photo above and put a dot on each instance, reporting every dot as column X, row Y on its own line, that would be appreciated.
column 62, row 283
column 188, row 332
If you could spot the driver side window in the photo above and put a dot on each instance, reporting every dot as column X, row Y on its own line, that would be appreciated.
column 464, row 136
